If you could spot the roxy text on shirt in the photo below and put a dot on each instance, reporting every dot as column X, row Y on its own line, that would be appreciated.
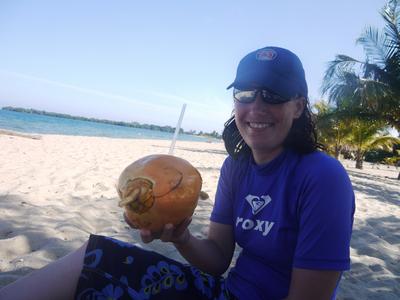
column 262, row 226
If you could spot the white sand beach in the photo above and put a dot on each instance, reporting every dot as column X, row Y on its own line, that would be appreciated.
column 56, row 190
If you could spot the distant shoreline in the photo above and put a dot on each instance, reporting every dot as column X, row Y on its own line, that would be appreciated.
column 167, row 128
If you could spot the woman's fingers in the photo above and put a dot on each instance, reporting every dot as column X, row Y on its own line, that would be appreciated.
column 167, row 233
column 173, row 233
column 180, row 228
column 170, row 233
column 146, row 236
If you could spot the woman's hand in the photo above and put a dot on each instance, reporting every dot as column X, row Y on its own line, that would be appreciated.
column 178, row 234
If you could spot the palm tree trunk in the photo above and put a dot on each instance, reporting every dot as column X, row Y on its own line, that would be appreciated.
column 359, row 160
column 337, row 152
column 359, row 164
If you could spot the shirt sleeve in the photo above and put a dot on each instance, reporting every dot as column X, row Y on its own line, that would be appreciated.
column 325, row 214
column 223, row 205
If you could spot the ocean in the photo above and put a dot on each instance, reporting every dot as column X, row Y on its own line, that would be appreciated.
column 42, row 124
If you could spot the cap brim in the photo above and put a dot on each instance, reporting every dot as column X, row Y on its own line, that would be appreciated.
column 231, row 85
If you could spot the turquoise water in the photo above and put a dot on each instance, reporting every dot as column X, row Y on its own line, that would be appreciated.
column 34, row 123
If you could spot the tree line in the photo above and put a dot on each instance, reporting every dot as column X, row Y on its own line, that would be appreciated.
column 213, row 134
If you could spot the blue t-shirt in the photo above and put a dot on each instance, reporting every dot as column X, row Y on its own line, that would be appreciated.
column 293, row 212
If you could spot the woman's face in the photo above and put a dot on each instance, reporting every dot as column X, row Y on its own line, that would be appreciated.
column 264, row 127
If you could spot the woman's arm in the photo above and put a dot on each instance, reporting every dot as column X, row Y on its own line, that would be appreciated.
column 212, row 255
column 312, row 284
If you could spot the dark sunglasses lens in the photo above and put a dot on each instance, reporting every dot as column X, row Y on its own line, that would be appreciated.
column 272, row 98
column 244, row 96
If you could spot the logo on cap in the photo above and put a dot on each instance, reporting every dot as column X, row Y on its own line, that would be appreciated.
column 266, row 54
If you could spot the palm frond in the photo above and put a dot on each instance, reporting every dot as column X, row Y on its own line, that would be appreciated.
column 374, row 71
column 383, row 142
column 341, row 62
column 391, row 15
column 374, row 43
column 340, row 84
column 373, row 92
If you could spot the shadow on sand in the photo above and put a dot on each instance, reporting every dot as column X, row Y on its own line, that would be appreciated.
column 376, row 275
column 21, row 237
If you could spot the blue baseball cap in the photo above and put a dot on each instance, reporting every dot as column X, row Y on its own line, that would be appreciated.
column 273, row 68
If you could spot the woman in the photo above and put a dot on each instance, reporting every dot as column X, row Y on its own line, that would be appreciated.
column 289, row 207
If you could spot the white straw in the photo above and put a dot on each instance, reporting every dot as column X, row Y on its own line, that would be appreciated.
column 178, row 127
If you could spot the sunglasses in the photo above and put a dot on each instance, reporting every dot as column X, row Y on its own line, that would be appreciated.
column 248, row 96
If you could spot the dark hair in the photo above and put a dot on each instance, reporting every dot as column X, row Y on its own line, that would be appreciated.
column 301, row 138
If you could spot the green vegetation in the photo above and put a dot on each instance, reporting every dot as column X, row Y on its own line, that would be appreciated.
column 213, row 134
column 364, row 96
column 353, row 136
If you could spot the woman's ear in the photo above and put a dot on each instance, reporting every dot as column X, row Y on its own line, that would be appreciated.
column 299, row 104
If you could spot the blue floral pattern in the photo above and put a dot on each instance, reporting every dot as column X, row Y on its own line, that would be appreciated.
column 116, row 270
column 111, row 293
column 92, row 258
column 203, row 281
column 128, row 260
column 160, row 277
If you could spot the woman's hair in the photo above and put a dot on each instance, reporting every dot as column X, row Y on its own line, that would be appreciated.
column 301, row 138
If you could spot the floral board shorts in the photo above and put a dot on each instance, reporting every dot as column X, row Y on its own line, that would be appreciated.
column 118, row 270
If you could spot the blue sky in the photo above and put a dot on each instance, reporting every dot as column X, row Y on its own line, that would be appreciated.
column 141, row 60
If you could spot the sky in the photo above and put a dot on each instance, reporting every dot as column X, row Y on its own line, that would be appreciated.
column 128, row 60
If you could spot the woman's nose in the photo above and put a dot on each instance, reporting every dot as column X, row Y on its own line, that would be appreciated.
column 259, row 103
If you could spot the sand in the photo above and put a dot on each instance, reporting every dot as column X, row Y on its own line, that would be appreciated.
column 55, row 190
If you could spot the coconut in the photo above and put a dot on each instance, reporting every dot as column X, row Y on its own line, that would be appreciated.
column 159, row 189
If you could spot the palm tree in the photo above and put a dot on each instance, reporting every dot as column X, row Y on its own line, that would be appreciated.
column 339, row 130
column 367, row 135
column 370, row 89
column 331, row 127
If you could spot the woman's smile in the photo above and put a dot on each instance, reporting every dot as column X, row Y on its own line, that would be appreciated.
column 259, row 125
